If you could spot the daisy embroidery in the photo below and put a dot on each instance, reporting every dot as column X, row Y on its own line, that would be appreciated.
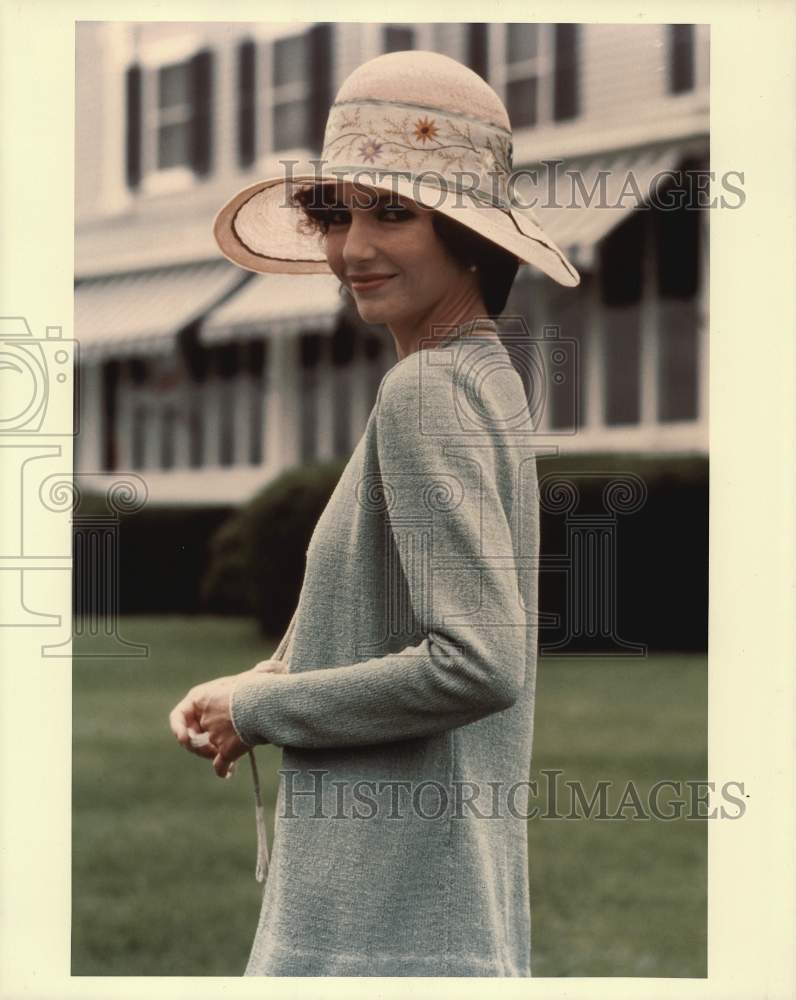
column 370, row 150
column 425, row 129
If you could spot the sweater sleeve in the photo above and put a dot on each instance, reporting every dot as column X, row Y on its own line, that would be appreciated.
column 448, row 501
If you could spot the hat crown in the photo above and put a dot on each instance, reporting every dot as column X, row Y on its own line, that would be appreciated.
column 425, row 79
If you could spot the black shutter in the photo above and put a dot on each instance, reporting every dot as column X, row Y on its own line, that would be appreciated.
column 201, row 141
column 565, row 83
column 321, row 83
column 681, row 58
column 133, row 150
column 247, row 102
column 477, row 56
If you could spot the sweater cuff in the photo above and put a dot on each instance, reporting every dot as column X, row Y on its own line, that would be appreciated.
column 245, row 707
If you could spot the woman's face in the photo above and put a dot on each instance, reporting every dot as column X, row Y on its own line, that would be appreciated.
column 389, row 256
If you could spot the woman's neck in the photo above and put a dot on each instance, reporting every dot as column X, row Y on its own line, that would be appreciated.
column 440, row 325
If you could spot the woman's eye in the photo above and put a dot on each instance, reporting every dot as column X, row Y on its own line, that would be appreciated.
column 338, row 217
column 396, row 214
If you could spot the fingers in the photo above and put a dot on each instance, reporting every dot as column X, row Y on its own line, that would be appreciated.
column 187, row 728
column 202, row 744
column 181, row 719
column 223, row 767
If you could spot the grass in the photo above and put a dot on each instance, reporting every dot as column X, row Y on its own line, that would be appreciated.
column 163, row 852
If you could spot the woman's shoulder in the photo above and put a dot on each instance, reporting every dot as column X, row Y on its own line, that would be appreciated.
column 460, row 387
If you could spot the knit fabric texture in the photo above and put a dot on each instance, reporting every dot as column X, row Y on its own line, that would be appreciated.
column 406, row 717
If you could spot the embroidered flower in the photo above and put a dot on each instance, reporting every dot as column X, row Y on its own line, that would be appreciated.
column 425, row 129
column 370, row 150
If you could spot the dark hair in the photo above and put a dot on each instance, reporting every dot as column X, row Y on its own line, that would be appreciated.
column 496, row 267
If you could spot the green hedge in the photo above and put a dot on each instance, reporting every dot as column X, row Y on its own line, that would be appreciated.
column 257, row 557
column 162, row 554
column 250, row 560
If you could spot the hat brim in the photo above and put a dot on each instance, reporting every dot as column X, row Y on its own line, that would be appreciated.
column 259, row 230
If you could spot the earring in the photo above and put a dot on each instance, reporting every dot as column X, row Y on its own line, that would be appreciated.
column 473, row 267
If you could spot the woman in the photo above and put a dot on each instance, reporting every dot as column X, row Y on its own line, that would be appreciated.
column 404, row 702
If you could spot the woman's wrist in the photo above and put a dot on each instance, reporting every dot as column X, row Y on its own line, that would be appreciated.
column 245, row 676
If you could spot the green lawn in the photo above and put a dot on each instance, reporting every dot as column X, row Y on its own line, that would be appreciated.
column 163, row 852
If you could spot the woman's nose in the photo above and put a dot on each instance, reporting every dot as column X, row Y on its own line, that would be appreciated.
column 358, row 244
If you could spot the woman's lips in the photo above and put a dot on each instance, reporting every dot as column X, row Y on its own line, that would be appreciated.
column 369, row 284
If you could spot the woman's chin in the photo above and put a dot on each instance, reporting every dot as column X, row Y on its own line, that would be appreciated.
column 374, row 312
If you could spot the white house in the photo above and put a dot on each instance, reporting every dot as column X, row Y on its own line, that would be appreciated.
column 210, row 381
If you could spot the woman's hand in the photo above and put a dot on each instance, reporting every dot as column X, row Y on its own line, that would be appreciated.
column 205, row 709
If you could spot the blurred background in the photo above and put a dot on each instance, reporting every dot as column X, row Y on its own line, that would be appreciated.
column 235, row 399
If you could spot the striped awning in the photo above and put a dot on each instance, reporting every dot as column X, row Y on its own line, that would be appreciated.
column 142, row 311
column 595, row 194
column 276, row 305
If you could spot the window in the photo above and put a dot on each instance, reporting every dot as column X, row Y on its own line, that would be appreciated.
column 226, row 365
column 311, row 345
column 621, row 280
column 343, row 348
column 478, row 48
column 174, row 116
column 566, row 385
column 138, row 437
column 565, row 80
column 678, row 249
column 523, row 69
column 291, row 106
column 247, row 103
column 540, row 71
column 398, row 38
column 196, row 428
column 111, row 372
column 681, row 58
column 169, row 127
column 168, row 430
column 255, row 357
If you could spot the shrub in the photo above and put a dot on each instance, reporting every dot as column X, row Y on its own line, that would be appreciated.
column 257, row 556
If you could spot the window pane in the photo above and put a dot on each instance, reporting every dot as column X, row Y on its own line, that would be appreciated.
column 309, row 415
column 679, row 359
column 196, row 429
column 291, row 64
column 227, row 393
column 311, row 348
column 173, row 85
column 291, row 125
column 681, row 58
column 522, row 42
column 521, row 102
column 254, row 365
column 622, row 388
column 341, row 429
column 564, row 360
column 167, row 432
column 138, row 443
column 398, row 39
column 173, row 145
column 256, row 415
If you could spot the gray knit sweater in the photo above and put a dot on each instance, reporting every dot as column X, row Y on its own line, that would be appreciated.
column 406, row 717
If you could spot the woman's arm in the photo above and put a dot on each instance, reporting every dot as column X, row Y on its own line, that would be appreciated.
column 464, row 595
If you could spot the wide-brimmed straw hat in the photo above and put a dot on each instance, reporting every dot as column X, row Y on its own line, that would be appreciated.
column 417, row 124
